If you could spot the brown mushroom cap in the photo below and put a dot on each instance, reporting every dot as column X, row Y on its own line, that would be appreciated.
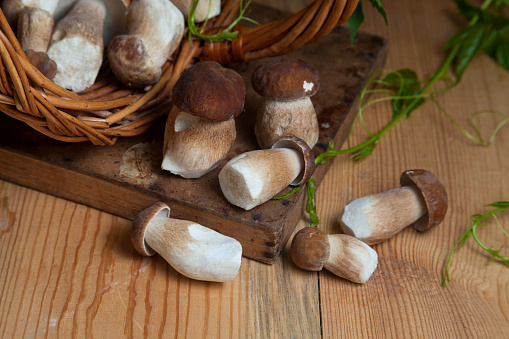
column 434, row 195
column 210, row 91
column 141, row 222
column 285, row 79
column 310, row 249
column 302, row 147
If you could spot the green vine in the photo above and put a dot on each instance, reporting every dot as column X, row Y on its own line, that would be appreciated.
column 225, row 34
column 477, row 220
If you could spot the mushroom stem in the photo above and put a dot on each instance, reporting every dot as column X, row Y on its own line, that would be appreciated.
column 194, row 146
column 379, row 216
column 194, row 250
column 35, row 26
column 252, row 178
column 350, row 258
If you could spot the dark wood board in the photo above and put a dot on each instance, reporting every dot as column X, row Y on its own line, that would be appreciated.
column 108, row 179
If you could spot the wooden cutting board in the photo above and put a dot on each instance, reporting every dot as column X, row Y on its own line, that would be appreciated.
column 124, row 178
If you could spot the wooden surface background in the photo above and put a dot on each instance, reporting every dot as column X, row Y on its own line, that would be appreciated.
column 69, row 270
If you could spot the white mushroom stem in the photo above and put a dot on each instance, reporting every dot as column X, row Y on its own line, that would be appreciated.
column 194, row 146
column 350, row 258
column 77, row 45
column 205, row 8
column 253, row 178
column 35, row 26
column 379, row 216
column 194, row 250
column 276, row 119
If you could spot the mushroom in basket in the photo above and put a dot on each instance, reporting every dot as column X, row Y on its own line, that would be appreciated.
column 200, row 129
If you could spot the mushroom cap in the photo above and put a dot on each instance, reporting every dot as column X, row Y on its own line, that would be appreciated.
column 310, row 249
column 434, row 195
column 307, row 154
column 210, row 91
column 285, row 79
column 142, row 221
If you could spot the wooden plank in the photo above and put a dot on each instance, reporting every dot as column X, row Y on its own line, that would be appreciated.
column 124, row 178
column 70, row 271
column 404, row 297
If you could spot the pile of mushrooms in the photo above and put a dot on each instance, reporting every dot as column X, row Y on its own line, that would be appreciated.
column 200, row 129
column 65, row 39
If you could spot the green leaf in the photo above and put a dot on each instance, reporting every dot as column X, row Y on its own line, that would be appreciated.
column 363, row 153
column 466, row 9
column 499, row 204
column 407, row 88
column 469, row 49
column 355, row 21
column 502, row 55
column 377, row 4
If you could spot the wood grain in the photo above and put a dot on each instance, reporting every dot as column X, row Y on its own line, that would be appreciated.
column 404, row 298
column 70, row 271
column 67, row 269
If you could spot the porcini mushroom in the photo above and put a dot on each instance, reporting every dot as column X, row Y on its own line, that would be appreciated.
column 205, row 9
column 254, row 177
column 12, row 8
column 285, row 109
column 200, row 129
column 154, row 29
column 193, row 250
column 421, row 200
column 35, row 26
column 77, row 45
column 341, row 254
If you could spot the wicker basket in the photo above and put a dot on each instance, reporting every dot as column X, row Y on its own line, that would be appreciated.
column 108, row 110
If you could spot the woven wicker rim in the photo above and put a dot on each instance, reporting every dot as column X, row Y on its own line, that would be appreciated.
column 108, row 110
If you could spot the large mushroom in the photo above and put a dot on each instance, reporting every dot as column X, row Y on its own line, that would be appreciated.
column 421, row 200
column 200, row 129
column 254, row 177
column 154, row 29
column 285, row 109
column 195, row 251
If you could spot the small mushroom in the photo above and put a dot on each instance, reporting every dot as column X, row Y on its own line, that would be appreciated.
column 154, row 31
column 205, row 9
column 421, row 200
column 35, row 26
column 254, row 177
column 341, row 254
column 200, row 129
column 191, row 249
column 285, row 109
column 13, row 8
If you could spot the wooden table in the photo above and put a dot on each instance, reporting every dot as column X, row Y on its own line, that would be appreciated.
column 69, row 270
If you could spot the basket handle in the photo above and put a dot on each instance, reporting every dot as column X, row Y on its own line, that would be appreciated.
column 280, row 37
